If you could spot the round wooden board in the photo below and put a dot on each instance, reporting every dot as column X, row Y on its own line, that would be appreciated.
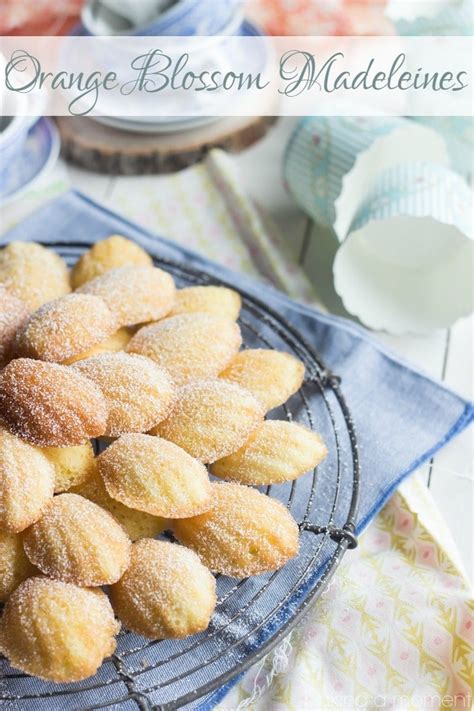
column 109, row 150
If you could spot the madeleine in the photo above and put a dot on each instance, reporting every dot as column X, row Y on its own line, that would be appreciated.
column 217, row 300
column 115, row 343
column 165, row 593
column 272, row 376
column 33, row 273
column 211, row 419
column 138, row 392
column 13, row 315
column 14, row 565
column 275, row 452
column 244, row 533
column 134, row 294
column 57, row 631
column 189, row 346
column 78, row 542
column 26, row 483
column 50, row 405
column 115, row 251
column 153, row 475
column 72, row 465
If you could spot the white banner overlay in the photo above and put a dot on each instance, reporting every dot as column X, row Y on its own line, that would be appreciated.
column 236, row 76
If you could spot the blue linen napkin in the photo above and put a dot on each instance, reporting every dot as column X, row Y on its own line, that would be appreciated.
column 401, row 416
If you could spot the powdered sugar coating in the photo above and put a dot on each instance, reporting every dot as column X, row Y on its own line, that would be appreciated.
column 156, row 476
column 139, row 393
column 13, row 315
column 78, row 542
column 26, row 483
column 137, row 524
column 134, row 294
column 211, row 419
column 14, row 565
column 244, row 533
column 115, row 251
column 217, row 300
column 56, row 630
column 189, row 346
column 272, row 376
column 50, row 405
column 66, row 327
column 275, row 452
column 33, row 273
column 72, row 465
column 165, row 593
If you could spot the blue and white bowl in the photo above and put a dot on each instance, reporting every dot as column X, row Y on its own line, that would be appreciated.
column 13, row 135
column 183, row 17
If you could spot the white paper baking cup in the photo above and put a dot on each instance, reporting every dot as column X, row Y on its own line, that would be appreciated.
column 406, row 264
column 332, row 162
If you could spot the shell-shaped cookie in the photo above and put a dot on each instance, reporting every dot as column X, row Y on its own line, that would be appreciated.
column 272, row 376
column 115, row 343
column 78, row 542
column 115, row 251
column 14, row 565
column 139, row 393
column 13, row 315
column 153, row 475
column 134, row 294
column 165, row 593
column 217, row 300
column 50, row 405
column 189, row 346
column 137, row 524
column 275, row 452
column 244, row 533
column 72, row 465
column 57, row 631
column 26, row 483
column 33, row 273
column 66, row 327
column 211, row 419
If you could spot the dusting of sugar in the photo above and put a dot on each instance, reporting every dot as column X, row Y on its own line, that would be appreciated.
column 156, row 476
column 211, row 419
column 189, row 346
column 165, row 593
column 135, row 294
column 57, row 631
column 139, row 393
column 244, row 533
column 66, row 327
column 110, row 253
column 13, row 315
column 78, row 542
column 50, row 405
column 14, row 565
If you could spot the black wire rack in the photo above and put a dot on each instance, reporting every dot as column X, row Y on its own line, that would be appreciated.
column 253, row 614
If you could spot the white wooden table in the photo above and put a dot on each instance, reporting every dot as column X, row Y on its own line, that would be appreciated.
column 446, row 355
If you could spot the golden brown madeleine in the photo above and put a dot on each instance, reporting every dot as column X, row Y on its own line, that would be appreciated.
column 134, row 294
column 57, row 631
column 13, row 315
column 72, row 465
column 272, row 376
column 50, row 405
column 26, row 482
column 78, row 542
column 217, row 300
column 115, row 251
column 33, row 273
column 165, row 593
column 275, row 452
column 115, row 343
column 65, row 327
column 244, row 533
column 137, row 524
column 211, row 419
column 189, row 346
column 153, row 475
column 139, row 393
column 14, row 565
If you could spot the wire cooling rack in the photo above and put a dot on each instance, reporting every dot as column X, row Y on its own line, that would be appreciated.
column 253, row 614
